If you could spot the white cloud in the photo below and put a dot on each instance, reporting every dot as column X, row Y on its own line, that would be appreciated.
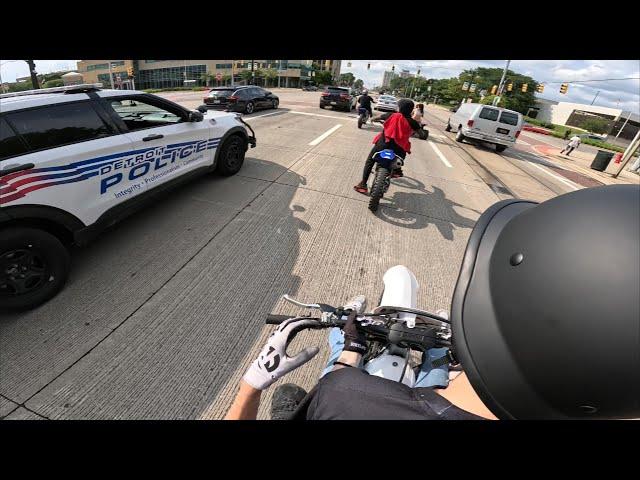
column 623, row 94
column 12, row 69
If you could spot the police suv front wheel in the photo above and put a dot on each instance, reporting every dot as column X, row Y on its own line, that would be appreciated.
column 34, row 266
column 231, row 155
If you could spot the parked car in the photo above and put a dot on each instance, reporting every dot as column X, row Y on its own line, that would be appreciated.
column 387, row 103
column 75, row 160
column 310, row 88
column 485, row 123
column 338, row 97
column 245, row 99
column 592, row 136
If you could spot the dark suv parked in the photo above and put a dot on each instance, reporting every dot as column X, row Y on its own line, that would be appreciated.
column 245, row 99
column 338, row 97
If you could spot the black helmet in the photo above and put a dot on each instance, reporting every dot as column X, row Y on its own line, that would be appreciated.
column 546, row 311
column 405, row 107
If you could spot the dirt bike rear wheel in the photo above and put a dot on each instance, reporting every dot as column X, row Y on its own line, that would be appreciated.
column 360, row 121
column 377, row 189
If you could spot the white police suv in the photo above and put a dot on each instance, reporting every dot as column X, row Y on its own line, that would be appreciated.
column 74, row 160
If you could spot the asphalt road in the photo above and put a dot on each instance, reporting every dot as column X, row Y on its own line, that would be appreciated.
column 164, row 312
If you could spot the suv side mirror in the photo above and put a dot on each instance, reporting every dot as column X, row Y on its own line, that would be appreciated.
column 203, row 108
column 196, row 116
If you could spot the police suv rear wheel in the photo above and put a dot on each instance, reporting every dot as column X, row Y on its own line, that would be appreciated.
column 34, row 266
column 231, row 156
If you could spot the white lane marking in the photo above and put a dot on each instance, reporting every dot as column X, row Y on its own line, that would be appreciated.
column 439, row 153
column 319, row 115
column 260, row 116
column 571, row 185
column 324, row 135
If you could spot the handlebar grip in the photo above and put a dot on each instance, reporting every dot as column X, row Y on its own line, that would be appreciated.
column 276, row 319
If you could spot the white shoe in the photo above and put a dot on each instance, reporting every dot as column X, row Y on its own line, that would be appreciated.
column 357, row 303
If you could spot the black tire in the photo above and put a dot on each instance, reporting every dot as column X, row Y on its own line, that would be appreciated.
column 500, row 148
column 275, row 104
column 448, row 127
column 45, row 261
column 459, row 137
column 249, row 108
column 231, row 156
column 377, row 189
column 360, row 121
column 322, row 107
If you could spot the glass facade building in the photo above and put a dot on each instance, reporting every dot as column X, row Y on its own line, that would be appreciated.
column 170, row 77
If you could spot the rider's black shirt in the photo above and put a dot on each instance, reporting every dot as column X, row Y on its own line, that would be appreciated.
column 365, row 101
column 353, row 394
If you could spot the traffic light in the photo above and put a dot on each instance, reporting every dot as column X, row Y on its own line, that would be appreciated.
column 564, row 87
column 393, row 68
column 494, row 89
column 418, row 73
column 509, row 87
column 524, row 87
column 368, row 66
column 130, row 72
column 540, row 88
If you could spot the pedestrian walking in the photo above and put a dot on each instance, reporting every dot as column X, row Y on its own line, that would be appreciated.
column 572, row 145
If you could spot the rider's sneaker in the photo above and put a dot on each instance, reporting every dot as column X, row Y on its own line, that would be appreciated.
column 361, row 188
column 357, row 303
column 285, row 400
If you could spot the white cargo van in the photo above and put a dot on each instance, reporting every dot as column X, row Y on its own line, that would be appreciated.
column 486, row 123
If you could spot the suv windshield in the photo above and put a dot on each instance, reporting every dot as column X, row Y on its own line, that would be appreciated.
column 509, row 118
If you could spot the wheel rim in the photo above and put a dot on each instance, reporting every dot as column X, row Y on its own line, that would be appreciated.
column 233, row 157
column 249, row 107
column 22, row 270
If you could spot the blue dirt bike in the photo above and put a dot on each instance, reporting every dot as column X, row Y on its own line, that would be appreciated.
column 386, row 162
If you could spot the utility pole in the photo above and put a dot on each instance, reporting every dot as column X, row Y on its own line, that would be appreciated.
column 34, row 76
column 253, row 73
column 594, row 98
column 110, row 75
column 625, row 124
column 501, row 86
column 279, row 68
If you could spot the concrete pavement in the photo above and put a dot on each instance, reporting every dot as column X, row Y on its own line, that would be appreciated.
column 163, row 313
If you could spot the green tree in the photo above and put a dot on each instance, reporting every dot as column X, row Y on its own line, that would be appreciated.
column 358, row 84
column 56, row 82
column 246, row 75
column 346, row 79
column 323, row 78
column 270, row 75
column 20, row 87
column 595, row 125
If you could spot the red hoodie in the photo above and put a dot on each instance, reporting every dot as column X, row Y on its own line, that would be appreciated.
column 397, row 127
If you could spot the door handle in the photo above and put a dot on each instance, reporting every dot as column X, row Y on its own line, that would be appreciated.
column 17, row 168
column 152, row 137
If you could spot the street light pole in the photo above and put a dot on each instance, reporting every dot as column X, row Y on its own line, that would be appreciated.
column 628, row 153
column 594, row 98
column 110, row 75
column 625, row 124
column 501, row 86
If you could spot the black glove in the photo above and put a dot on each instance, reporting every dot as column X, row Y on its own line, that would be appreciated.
column 354, row 338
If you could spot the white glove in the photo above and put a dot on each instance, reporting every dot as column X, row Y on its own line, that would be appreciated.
column 273, row 361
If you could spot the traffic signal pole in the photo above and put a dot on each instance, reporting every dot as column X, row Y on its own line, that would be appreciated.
column 501, row 86
column 34, row 77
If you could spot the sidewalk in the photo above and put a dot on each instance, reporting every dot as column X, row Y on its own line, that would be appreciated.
column 580, row 162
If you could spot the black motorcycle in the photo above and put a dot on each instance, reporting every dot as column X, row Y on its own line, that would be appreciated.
column 386, row 162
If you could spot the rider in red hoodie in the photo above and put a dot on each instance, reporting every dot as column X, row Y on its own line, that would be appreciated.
column 398, row 127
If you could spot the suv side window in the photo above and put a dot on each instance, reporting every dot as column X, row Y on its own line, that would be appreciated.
column 10, row 143
column 56, row 125
column 489, row 114
column 138, row 114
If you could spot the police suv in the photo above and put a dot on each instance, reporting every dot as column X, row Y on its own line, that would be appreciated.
column 75, row 160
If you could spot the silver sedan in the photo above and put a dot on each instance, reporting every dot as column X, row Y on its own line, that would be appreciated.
column 388, row 103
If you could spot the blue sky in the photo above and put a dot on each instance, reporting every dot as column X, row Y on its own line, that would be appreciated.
column 616, row 94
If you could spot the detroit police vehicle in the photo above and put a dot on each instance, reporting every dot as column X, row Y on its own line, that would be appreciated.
column 74, row 160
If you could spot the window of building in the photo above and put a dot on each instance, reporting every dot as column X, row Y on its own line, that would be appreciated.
column 170, row 77
column 97, row 66
column 223, row 66
column 56, row 125
column 10, row 143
